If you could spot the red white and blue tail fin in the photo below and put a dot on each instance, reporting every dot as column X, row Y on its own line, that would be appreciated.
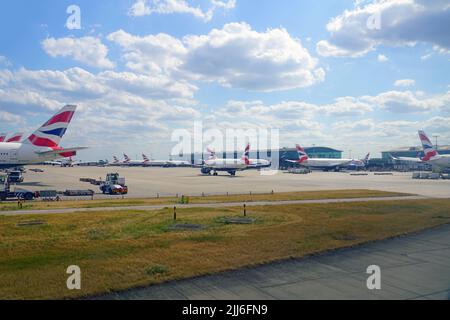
column 428, row 148
column 3, row 137
column 366, row 159
column 51, row 132
column 302, row 155
column 246, row 155
column 16, row 137
column 212, row 153
column 116, row 161
column 127, row 158
column 146, row 159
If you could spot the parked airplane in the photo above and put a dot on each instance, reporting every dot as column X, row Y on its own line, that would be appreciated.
column 42, row 145
column 214, row 164
column 15, row 137
column 357, row 164
column 431, row 157
column 152, row 162
column 319, row 163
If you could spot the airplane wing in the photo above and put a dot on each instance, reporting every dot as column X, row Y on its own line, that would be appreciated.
column 59, row 151
column 292, row 161
column 409, row 159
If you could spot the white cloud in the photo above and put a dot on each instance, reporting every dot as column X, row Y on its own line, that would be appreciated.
column 87, row 50
column 4, row 61
column 408, row 102
column 10, row 118
column 382, row 58
column 234, row 56
column 396, row 23
column 405, row 83
column 147, row 7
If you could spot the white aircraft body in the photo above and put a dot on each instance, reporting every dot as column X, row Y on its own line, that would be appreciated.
column 42, row 145
column 431, row 157
column 322, row 163
column 215, row 164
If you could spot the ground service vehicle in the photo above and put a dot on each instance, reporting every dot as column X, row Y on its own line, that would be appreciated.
column 114, row 184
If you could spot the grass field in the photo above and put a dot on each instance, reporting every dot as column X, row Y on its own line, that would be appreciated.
column 305, row 195
column 119, row 250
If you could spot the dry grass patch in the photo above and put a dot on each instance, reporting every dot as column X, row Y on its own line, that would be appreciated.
column 119, row 250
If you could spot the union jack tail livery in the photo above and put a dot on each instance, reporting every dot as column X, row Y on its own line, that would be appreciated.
column 146, row 159
column 2, row 137
column 212, row 153
column 51, row 132
column 15, row 137
column 302, row 156
column 428, row 148
column 115, row 160
column 367, row 158
column 246, row 155
column 127, row 158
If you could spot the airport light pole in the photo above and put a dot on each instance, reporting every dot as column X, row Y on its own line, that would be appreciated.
column 436, row 137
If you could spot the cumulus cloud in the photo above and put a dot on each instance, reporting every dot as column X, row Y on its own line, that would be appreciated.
column 127, row 108
column 234, row 56
column 10, row 118
column 408, row 101
column 382, row 58
column 147, row 7
column 356, row 32
column 405, row 83
column 89, row 51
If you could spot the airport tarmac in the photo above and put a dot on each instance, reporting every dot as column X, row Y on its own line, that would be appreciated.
column 148, row 182
column 415, row 266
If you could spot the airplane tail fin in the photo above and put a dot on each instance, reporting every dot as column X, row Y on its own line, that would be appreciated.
column 302, row 155
column 127, row 158
column 246, row 155
column 2, row 137
column 367, row 158
column 428, row 148
column 115, row 160
column 146, row 159
column 212, row 153
column 15, row 137
column 50, row 133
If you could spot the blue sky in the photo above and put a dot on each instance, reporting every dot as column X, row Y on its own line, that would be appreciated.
column 312, row 69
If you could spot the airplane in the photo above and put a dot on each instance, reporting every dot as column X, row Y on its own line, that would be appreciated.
column 319, row 163
column 3, row 137
column 151, row 162
column 116, row 162
column 431, row 157
column 178, row 163
column 131, row 163
column 360, row 163
column 15, row 137
column 215, row 164
column 42, row 145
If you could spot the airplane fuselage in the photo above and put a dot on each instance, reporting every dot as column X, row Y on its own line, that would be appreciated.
column 326, row 164
column 441, row 161
column 14, row 154
column 225, row 164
